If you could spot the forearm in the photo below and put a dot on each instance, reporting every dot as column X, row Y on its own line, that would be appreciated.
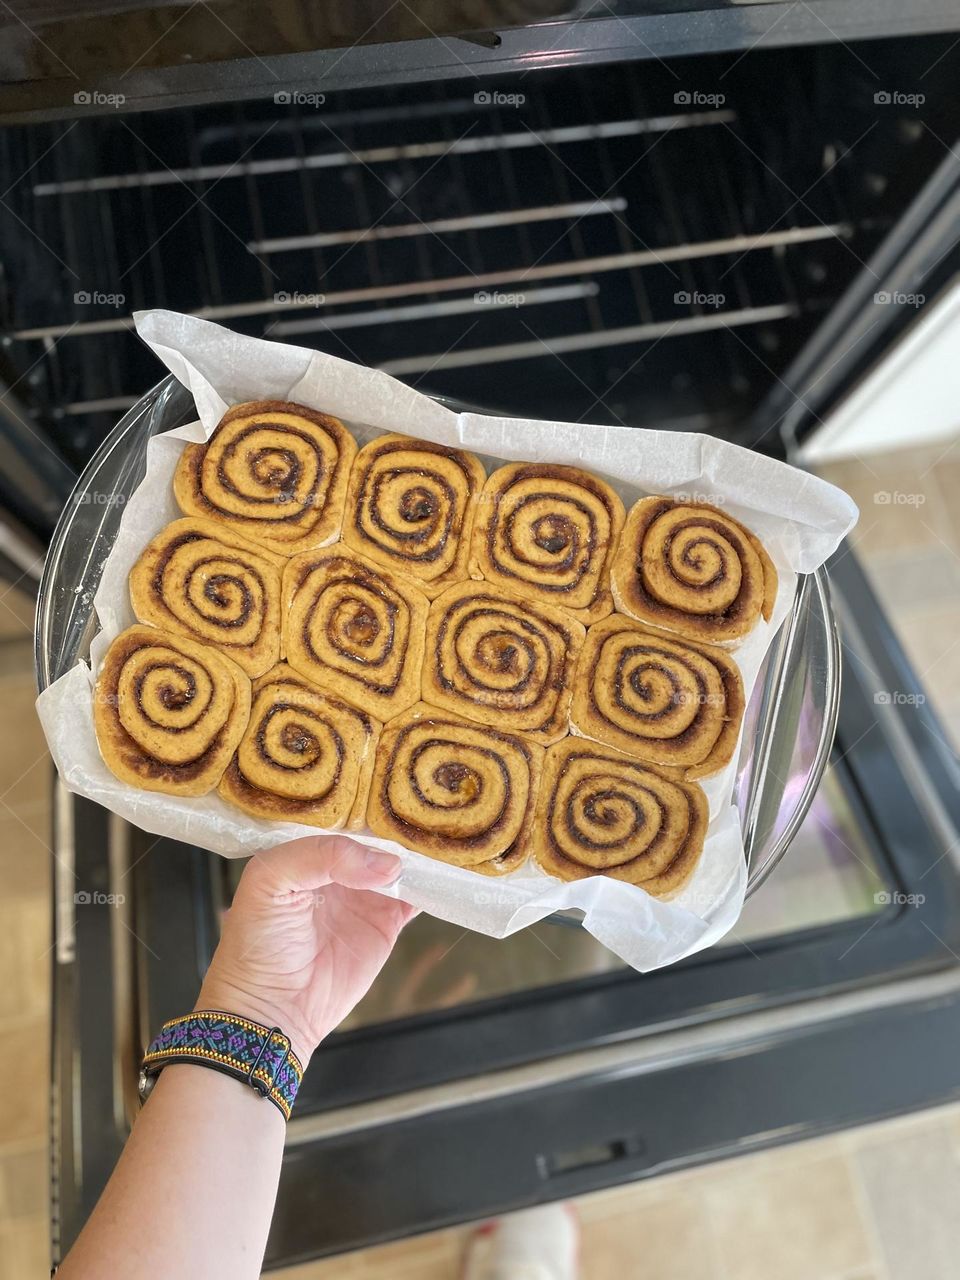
column 193, row 1192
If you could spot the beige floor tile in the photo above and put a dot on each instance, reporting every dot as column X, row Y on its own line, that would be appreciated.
column 795, row 1219
column 25, row 1249
column 25, row 770
column 16, row 613
column 926, row 578
column 24, row 958
column 24, row 1052
column 431, row 1257
column 25, row 858
column 931, row 638
column 24, row 1180
column 666, row 1236
column 912, row 1185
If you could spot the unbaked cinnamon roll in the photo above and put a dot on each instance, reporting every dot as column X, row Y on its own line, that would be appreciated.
column 201, row 580
column 498, row 659
column 354, row 629
column 272, row 471
column 661, row 699
column 599, row 813
column 305, row 756
column 410, row 507
column 548, row 532
column 454, row 790
column 691, row 568
column 168, row 713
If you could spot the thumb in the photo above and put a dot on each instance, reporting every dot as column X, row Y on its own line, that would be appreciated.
column 315, row 861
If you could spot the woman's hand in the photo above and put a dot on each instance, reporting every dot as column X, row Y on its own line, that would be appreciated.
column 305, row 937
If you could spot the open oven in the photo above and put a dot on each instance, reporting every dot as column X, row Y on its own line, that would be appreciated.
column 718, row 224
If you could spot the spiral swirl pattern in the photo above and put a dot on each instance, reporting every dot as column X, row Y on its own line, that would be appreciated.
column 272, row 471
column 410, row 507
column 201, row 581
column 690, row 568
column 549, row 533
column 354, row 629
column 305, row 756
column 601, row 813
column 168, row 713
column 454, row 790
column 670, row 702
column 493, row 657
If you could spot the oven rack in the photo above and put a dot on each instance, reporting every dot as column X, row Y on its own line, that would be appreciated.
column 615, row 252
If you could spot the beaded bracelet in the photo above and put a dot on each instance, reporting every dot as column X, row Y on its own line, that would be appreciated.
column 253, row 1054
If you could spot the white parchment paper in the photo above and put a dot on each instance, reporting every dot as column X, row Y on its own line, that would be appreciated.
column 800, row 518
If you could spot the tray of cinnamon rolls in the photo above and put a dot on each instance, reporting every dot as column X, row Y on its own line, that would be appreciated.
column 524, row 673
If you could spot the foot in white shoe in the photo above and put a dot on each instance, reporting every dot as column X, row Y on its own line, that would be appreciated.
column 534, row 1244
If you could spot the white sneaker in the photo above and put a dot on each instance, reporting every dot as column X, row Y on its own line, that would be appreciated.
column 534, row 1244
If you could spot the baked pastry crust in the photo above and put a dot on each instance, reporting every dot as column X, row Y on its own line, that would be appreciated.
column 200, row 580
column 691, row 568
column 455, row 790
column 549, row 532
column 601, row 813
column 274, row 472
column 354, row 629
column 660, row 698
column 494, row 657
column 305, row 756
column 411, row 506
column 168, row 713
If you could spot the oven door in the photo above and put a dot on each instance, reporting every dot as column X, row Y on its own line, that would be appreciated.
column 499, row 1073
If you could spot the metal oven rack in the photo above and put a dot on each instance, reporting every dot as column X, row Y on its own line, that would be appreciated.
column 591, row 244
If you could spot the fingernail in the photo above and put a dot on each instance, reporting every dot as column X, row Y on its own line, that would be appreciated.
column 383, row 864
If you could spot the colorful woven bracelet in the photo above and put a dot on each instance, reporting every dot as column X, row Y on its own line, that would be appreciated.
column 256, row 1055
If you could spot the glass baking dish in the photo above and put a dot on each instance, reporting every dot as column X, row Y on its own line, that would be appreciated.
column 789, row 723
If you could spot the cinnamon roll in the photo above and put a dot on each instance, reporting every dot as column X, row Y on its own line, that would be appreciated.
column 201, row 580
column 305, row 756
column 549, row 532
column 272, row 471
column 498, row 659
column 410, row 507
column 599, row 813
column 354, row 629
column 456, row 791
column 168, row 713
column 658, row 698
column 691, row 568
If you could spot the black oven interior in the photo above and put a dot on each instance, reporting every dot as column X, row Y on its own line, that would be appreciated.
column 646, row 243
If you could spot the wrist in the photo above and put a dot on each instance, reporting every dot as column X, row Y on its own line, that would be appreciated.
column 219, row 995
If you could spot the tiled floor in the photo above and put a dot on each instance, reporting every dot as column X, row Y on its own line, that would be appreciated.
column 873, row 1204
